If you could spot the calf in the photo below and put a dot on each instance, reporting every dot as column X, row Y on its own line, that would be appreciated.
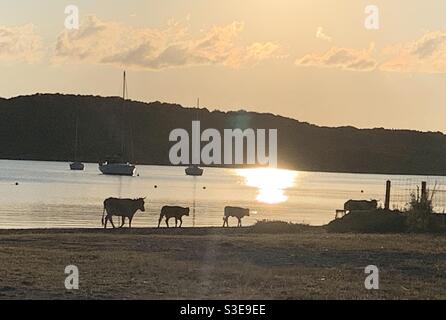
column 236, row 212
column 173, row 212
column 358, row 205
column 124, row 208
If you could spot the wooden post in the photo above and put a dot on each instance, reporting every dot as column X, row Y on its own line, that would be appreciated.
column 387, row 201
column 423, row 191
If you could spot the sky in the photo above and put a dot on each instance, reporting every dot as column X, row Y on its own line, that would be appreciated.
column 311, row 60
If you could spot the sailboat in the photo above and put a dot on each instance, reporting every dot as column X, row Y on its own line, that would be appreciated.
column 76, row 165
column 119, row 168
column 194, row 170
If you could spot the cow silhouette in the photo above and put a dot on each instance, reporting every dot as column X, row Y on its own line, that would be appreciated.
column 360, row 205
column 124, row 208
column 176, row 212
column 236, row 212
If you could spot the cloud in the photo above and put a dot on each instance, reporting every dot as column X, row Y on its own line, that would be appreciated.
column 114, row 43
column 19, row 43
column 425, row 55
column 321, row 35
column 342, row 58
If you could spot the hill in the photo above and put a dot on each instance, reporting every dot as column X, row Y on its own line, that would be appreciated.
column 42, row 127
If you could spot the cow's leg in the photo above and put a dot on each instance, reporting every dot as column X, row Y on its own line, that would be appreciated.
column 111, row 221
column 176, row 222
column 167, row 221
column 105, row 222
column 159, row 221
column 103, row 216
column 181, row 221
column 107, row 219
column 123, row 222
column 130, row 222
column 239, row 222
column 225, row 221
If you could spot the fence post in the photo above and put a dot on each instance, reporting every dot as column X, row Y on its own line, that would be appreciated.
column 387, row 201
column 423, row 190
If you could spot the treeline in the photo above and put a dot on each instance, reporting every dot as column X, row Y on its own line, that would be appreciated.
column 42, row 127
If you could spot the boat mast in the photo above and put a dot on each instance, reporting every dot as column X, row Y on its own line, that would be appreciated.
column 196, row 115
column 76, row 140
column 124, row 86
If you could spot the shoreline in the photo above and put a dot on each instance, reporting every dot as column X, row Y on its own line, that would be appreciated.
column 162, row 230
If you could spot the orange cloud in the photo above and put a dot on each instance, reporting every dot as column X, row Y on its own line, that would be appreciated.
column 320, row 34
column 146, row 48
column 19, row 43
column 342, row 58
column 426, row 55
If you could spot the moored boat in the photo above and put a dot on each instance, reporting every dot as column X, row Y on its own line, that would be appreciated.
column 77, row 166
column 117, row 169
column 194, row 170
column 122, row 167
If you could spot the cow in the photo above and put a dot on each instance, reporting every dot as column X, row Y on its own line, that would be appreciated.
column 236, row 212
column 124, row 208
column 358, row 205
column 173, row 212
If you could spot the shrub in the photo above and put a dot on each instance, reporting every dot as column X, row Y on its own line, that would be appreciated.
column 420, row 212
column 369, row 221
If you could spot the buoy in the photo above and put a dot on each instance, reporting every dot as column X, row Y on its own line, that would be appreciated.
column 16, row 183
column 155, row 186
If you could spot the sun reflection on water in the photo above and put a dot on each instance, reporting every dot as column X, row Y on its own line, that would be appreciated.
column 271, row 183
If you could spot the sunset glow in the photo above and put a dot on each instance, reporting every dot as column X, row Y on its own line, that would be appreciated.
column 311, row 60
column 271, row 183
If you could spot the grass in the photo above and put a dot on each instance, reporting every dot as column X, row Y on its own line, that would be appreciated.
column 273, row 226
column 216, row 263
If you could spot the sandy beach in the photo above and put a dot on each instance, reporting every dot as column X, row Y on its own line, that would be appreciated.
column 215, row 263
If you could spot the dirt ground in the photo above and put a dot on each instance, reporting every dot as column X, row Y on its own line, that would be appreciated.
column 212, row 263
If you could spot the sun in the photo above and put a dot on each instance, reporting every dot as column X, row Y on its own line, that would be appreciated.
column 271, row 183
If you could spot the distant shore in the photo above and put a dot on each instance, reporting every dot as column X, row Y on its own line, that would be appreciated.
column 217, row 263
column 28, row 132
